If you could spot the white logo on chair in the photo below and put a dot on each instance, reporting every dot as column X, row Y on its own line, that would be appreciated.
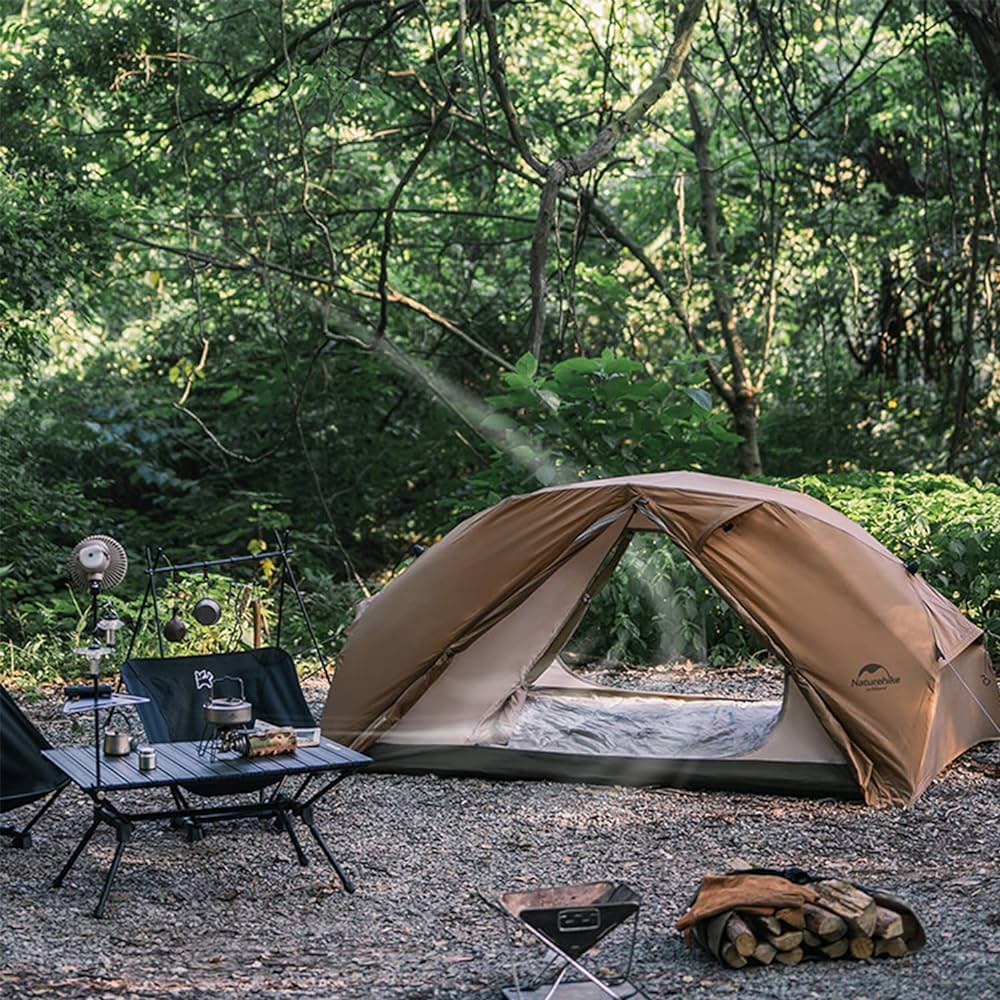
column 203, row 679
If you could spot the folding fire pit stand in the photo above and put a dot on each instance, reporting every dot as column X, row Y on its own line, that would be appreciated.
column 569, row 920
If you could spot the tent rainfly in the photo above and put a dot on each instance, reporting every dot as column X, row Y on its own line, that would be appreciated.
column 454, row 667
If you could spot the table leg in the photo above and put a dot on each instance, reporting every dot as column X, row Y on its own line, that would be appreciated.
column 78, row 850
column 286, row 822
column 124, row 832
column 306, row 814
column 193, row 830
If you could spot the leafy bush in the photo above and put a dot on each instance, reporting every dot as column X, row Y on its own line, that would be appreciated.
column 590, row 418
column 951, row 528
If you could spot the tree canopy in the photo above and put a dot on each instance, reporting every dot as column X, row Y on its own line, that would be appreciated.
column 359, row 266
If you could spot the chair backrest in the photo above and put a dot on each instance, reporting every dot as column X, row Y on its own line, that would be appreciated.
column 25, row 775
column 179, row 686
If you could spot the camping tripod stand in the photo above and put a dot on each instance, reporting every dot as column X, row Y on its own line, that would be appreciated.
column 158, row 564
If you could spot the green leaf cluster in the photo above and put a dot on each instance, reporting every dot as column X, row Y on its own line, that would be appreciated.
column 594, row 417
column 950, row 528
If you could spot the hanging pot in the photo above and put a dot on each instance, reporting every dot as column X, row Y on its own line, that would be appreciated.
column 228, row 711
column 207, row 611
column 175, row 629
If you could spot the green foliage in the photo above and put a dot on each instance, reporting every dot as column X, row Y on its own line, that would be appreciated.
column 951, row 528
column 588, row 418
column 52, row 241
column 656, row 608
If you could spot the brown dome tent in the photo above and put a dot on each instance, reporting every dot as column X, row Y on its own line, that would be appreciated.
column 454, row 666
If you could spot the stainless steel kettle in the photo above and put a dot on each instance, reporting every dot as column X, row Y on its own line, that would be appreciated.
column 118, row 742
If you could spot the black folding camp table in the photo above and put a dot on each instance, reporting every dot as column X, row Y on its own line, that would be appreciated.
column 320, row 768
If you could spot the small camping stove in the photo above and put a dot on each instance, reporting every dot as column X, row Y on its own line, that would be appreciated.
column 569, row 921
column 226, row 722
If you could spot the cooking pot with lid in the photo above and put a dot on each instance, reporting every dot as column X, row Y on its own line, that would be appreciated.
column 207, row 611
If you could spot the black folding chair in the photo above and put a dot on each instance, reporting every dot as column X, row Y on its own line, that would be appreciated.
column 25, row 775
column 178, row 687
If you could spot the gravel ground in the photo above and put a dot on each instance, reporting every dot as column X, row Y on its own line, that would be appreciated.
column 234, row 915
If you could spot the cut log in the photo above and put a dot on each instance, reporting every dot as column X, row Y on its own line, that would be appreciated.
column 861, row 947
column 792, row 957
column 857, row 908
column 824, row 923
column 731, row 956
column 739, row 934
column 894, row 947
column 835, row 949
column 810, row 939
column 793, row 916
column 764, row 953
column 888, row 923
column 770, row 925
column 712, row 933
column 786, row 941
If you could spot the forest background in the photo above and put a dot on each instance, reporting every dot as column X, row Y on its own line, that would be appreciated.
column 357, row 269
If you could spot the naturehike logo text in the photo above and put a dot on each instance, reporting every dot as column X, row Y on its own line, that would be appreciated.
column 874, row 675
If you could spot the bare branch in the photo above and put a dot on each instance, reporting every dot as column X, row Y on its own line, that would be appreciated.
column 249, row 459
column 383, row 275
column 606, row 140
column 390, row 295
column 499, row 77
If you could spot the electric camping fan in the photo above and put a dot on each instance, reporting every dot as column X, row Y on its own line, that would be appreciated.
column 96, row 564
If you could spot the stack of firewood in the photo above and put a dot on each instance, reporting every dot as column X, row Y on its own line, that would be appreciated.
column 842, row 922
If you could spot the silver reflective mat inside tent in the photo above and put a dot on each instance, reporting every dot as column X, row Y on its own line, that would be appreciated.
column 642, row 725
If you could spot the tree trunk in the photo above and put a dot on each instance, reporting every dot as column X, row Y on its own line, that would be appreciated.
column 746, row 420
column 981, row 23
column 743, row 398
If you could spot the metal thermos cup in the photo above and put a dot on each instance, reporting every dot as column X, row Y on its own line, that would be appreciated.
column 147, row 758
